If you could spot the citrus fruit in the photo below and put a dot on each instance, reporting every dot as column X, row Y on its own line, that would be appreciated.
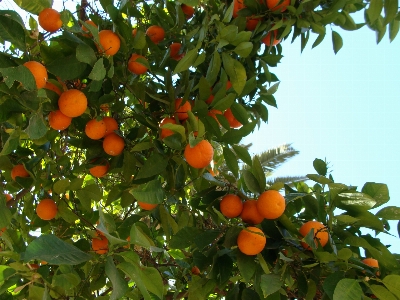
column 182, row 109
column 210, row 99
column 268, row 40
column 233, row 123
column 8, row 197
column 46, row 209
column 146, row 206
column 127, row 246
column 188, row 10
column 213, row 113
column 2, row 230
column 50, row 19
column 109, row 41
column 155, row 33
column 165, row 131
column 237, row 5
column 113, row 144
column 72, row 103
column 231, row 206
column 250, row 214
column 100, row 170
column 271, row 204
column 111, row 125
column 274, row 5
column 95, row 129
column 372, row 262
column 136, row 67
column 251, row 241
column 195, row 270
column 320, row 233
column 59, row 121
column 39, row 72
column 174, row 49
column 85, row 29
column 252, row 23
column 100, row 243
column 200, row 155
column 134, row 32
column 52, row 87
column 19, row 171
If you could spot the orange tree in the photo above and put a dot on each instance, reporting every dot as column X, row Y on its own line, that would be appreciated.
column 111, row 138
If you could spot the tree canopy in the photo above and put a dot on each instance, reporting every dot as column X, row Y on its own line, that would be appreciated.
column 115, row 120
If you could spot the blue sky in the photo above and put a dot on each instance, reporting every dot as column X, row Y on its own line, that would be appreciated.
column 343, row 107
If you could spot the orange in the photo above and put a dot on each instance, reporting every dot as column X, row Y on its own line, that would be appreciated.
column 210, row 99
column 155, row 33
column 136, row 67
column 164, row 131
column 231, row 206
column 59, row 121
column 105, row 107
column 195, row 270
column 233, row 123
column 146, row 206
column 271, row 204
column 252, row 23
column 39, row 72
column 52, row 87
column 237, row 5
column 228, row 85
column 95, row 129
column 213, row 113
column 250, row 214
column 50, row 19
column 109, row 41
column 111, row 125
column 19, row 171
column 182, row 109
column 100, row 170
column 188, row 10
column 174, row 49
column 46, row 209
column 127, row 246
column 8, row 197
column 85, row 30
column 72, row 103
column 113, row 144
column 267, row 39
column 2, row 230
column 100, row 243
column 200, row 155
column 320, row 233
column 273, row 5
column 372, row 263
column 134, row 31
column 251, row 241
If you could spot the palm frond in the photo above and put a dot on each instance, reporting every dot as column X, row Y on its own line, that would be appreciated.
column 274, row 158
column 286, row 179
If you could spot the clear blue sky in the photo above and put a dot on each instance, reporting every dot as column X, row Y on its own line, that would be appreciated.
column 343, row 107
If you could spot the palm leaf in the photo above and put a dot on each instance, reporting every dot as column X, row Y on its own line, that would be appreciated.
column 286, row 179
column 274, row 158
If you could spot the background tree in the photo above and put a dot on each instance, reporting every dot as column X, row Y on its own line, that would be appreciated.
column 111, row 120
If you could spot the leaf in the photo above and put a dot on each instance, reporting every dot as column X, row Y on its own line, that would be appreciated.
column 389, row 213
column 391, row 7
column 231, row 161
column 381, row 292
column 36, row 128
column 374, row 10
column 243, row 154
column 214, row 68
column 12, row 31
column 348, row 289
column 61, row 186
column 184, row 237
column 235, row 71
column 190, row 2
column 270, row 283
column 247, row 265
column 153, row 281
column 5, row 217
column 244, row 49
column 98, row 72
column 86, row 54
column 331, row 282
column 354, row 201
column 89, row 192
column 34, row 7
column 337, row 41
column 12, row 143
column 187, row 61
column 258, row 172
column 55, row 251
column 150, row 192
column 251, row 182
column 138, row 237
column 319, row 178
column 392, row 282
column 154, row 165
column 67, row 68
column 393, row 29
column 320, row 166
column 134, row 271
column 378, row 191
column 20, row 74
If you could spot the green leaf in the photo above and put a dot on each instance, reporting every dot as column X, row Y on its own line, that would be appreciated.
column 36, row 128
column 214, row 68
column 270, row 283
column 134, row 271
column 190, row 2
column 319, row 178
column 391, row 7
column 187, row 61
column 5, row 217
column 389, row 213
column 86, row 54
column 374, row 10
column 251, row 182
column 224, row 103
column 348, row 289
column 354, row 201
column 346, row 219
column 12, row 143
column 320, row 166
column 231, row 161
column 34, row 7
column 98, row 72
column 184, row 237
column 138, row 237
column 381, row 292
column 378, row 191
column 331, row 282
column 366, row 219
column 244, row 49
column 258, row 172
column 61, row 186
column 153, row 281
column 12, row 31
column 243, row 154
column 247, row 265
column 345, row 254
column 150, row 192
column 337, row 41
column 236, row 72
column 55, row 251
column 392, row 282
column 393, row 29
column 20, row 74
column 154, row 165
column 67, row 68
column 89, row 192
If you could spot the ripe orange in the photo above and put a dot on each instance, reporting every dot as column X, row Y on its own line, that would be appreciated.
column 59, row 121
column 195, row 270
column 200, row 155
column 52, row 87
column 111, row 125
column 155, row 33
column 231, row 206
column 273, row 5
column 19, row 171
column 231, row 119
column 251, row 241
column 146, row 206
column 136, row 67
column 228, row 85
column 95, row 129
column 213, row 113
column 2, row 230
column 271, row 204
column 237, row 5
column 164, row 131
column 250, row 214
column 100, row 243
column 210, row 99
column 320, row 233
column 39, row 72
column 113, row 144
column 46, row 209
column 252, row 23
column 72, row 103
column 8, row 197
column 174, row 49
column 372, row 263
column 267, row 39
column 182, row 109
column 100, row 170
column 50, row 19
column 109, row 41
column 134, row 31
column 187, row 10
column 85, row 30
